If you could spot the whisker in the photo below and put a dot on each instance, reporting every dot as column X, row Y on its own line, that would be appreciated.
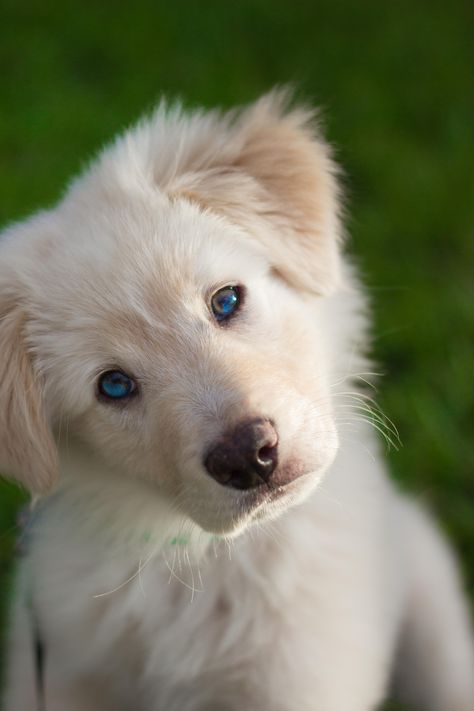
column 130, row 579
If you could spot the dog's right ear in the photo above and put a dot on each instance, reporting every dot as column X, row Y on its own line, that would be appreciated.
column 27, row 449
column 268, row 169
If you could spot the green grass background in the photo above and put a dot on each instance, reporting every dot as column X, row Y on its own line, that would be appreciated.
column 395, row 84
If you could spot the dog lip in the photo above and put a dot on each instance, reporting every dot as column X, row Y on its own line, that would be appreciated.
column 252, row 500
column 287, row 474
column 280, row 486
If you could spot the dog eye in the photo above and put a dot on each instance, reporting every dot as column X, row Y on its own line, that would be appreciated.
column 116, row 385
column 226, row 302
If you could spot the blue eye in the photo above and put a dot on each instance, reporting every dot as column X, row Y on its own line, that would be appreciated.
column 225, row 302
column 116, row 385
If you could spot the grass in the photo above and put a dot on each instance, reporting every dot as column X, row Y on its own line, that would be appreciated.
column 394, row 83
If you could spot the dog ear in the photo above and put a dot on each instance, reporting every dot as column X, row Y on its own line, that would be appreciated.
column 27, row 450
column 274, row 175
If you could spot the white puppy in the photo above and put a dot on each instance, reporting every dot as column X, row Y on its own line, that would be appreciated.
column 181, row 340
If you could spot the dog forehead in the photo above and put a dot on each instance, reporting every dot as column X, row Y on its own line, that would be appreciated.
column 149, row 259
column 159, row 235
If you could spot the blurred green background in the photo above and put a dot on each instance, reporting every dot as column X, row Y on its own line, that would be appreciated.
column 395, row 84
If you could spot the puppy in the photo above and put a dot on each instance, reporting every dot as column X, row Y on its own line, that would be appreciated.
column 182, row 352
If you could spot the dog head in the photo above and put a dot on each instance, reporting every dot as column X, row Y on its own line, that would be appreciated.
column 167, row 315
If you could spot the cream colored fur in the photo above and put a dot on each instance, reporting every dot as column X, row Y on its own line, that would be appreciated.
column 154, row 587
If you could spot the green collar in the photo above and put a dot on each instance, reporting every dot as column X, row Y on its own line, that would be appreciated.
column 176, row 540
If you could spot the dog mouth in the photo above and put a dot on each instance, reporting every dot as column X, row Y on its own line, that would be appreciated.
column 255, row 502
column 263, row 495
column 226, row 511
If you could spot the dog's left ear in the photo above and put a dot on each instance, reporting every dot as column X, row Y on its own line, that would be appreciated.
column 27, row 449
column 274, row 175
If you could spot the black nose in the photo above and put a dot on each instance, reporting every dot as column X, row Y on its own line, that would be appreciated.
column 246, row 456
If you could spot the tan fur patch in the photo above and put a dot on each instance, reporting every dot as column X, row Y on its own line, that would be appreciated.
column 27, row 450
column 276, row 172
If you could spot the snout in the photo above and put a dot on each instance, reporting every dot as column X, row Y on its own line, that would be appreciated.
column 246, row 456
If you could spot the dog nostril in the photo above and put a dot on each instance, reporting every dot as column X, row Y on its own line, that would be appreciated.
column 266, row 455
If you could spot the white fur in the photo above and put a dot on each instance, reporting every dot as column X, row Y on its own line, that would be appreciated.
column 154, row 587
